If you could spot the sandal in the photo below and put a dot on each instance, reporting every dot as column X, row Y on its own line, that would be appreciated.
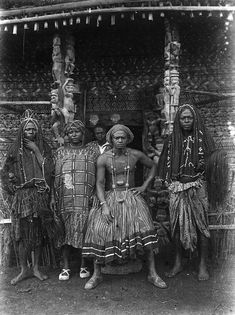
column 64, row 275
column 84, row 273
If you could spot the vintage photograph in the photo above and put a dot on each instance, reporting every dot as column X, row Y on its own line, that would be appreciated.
column 117, row 157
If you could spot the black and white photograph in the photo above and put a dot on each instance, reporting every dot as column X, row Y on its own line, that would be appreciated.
column 117, row 157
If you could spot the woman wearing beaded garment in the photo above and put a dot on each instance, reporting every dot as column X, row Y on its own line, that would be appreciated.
column 120, row 226
column 74, row 185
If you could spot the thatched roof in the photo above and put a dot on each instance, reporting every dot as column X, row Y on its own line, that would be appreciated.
column 15, row 12
column 13, row 4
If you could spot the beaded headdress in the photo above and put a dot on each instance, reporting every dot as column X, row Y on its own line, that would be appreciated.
column 29, row 116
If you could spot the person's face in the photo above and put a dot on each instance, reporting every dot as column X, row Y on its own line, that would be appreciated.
column 30, row 131
column 75, row 135
column 69, row 88
column 186, row 120
column 120, row 139
column 100, row 134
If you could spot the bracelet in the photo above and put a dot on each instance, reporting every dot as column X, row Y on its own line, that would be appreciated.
column 102, row 203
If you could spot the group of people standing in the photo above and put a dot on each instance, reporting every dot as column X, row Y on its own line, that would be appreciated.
column 92, row 188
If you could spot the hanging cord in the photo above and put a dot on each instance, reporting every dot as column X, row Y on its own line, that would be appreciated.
column 114, row 175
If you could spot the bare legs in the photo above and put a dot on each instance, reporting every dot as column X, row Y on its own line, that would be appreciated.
column 178, row 267
column 24, row 272
column 153, row 277
column 65, row 274
column 36, row 271
column 65, row 255
column 203, row 253
column 96, row 277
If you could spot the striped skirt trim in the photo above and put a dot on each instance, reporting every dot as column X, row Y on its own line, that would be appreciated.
column 127, row 237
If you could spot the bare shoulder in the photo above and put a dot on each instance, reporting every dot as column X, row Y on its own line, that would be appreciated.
column 136, row 153
column 102, row 159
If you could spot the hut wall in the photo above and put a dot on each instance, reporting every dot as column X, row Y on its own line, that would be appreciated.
column 121, row 67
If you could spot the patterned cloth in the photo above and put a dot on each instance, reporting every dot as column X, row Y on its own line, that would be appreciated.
column 74, row 184
column 188, row 208
column 97, row 149
column 131, row 231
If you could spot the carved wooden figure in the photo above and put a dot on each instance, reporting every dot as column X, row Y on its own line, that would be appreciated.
column 57, row 59
column 56, row 115
column 69, row 56
column 68, row 108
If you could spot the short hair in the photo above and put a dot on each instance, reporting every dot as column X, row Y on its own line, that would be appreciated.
column 99, row 125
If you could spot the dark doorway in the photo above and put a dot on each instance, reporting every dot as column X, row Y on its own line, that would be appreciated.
column 137, row 144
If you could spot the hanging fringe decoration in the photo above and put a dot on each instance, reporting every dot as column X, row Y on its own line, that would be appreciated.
column 150, row 17
column 14, row 30
column 26, row 27
column 64, row 22
column 122, row 16
column 99, row 19
column 88, row 19
column 46, row 24
column 132, row 17
column 78, row 20
column 5, row 29
column 143, row 16
column 230, row 17
column 113, row 22
column 36, row 27
column 56, row 24
column 70, row 21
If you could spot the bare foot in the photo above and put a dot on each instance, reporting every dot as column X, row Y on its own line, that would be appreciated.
column 23, row 275
column 174, row 271
column 39, row 275
column 157, row 281
column 93, row 282
column 203, row 273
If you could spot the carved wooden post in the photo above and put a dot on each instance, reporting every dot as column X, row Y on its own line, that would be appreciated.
column 62, row 103
column 171, row 75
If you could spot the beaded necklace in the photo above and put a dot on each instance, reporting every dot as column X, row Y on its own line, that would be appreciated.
column 120, row 197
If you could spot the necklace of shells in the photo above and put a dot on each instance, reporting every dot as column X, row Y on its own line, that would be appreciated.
column 121, row 195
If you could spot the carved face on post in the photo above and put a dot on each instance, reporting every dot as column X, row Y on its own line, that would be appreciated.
column 69, row 87
column 152, row 126
column 175, row 80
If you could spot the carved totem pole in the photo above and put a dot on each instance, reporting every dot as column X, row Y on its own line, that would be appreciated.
column 158, row 123
column 171, row 76
column 62, row 104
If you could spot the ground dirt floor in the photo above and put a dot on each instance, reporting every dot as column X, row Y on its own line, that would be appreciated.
column 130, row 294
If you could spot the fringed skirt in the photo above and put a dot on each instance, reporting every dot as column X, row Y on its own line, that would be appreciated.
column 33, row 222
column 131, row 231
column 188, row 211
column 29, row 213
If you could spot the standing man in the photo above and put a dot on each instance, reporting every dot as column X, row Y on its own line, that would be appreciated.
column 27, row 175
column 182, row 166
column 100, row 145
column 120, row 227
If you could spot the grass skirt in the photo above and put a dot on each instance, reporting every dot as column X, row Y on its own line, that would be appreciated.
column 131, row 231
